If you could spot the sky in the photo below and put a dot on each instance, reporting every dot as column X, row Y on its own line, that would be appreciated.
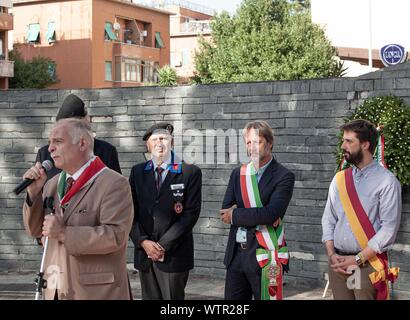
column 219, row 5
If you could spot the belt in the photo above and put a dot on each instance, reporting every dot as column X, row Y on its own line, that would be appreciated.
column 242, row 245
column 345, row 253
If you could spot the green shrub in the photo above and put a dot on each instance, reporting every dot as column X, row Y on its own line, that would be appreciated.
column 167, row 76
column 38, row 73
column 391, row 113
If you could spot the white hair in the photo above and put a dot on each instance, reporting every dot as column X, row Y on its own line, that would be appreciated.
column 78, row 129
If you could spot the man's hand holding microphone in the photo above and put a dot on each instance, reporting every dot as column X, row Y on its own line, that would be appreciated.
column 34, row 180
column 36, row 174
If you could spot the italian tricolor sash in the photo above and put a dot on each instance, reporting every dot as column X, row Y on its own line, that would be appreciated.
column 363, row 231
column 274, row 252
column 379, row 152
column 88, row 175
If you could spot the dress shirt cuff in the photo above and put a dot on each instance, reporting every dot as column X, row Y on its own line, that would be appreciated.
column 372, row 244
column 327, row 237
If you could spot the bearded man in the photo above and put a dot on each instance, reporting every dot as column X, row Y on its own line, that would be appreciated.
column 361, row 219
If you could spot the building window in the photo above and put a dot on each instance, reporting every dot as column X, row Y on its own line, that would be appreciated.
column 2, row 55
column 108, row 71
column 155, row 71
column 132, row 70
column 33, row 33
column 52, row 70
column 158, row 40
column 185, row 57
column 148, row 71
column 176, row 60
column 109, row 34
column 51, row 32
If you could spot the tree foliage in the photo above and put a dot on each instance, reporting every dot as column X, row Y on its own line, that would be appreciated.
column 35, row 74
column 167, row 76
column 393, row 116
column 265, row 40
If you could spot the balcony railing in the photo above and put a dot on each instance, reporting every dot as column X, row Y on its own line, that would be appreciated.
column 6, row 3
column 6, row 69
column 199, row 26
column 181, row 3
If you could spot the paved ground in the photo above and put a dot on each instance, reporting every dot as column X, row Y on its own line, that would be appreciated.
column 20, row 286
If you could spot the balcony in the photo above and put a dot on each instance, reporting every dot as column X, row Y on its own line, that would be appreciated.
column 6, row 21
column 6, row 69
column 136, row 51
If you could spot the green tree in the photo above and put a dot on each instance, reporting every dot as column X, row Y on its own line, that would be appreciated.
column 35, row 74
column 265, row 40
column 167, row 76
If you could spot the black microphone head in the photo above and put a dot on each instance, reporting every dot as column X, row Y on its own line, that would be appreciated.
column 47, row 165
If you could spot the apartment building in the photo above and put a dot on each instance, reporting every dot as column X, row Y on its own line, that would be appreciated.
column 188, row 23
column 6, row 24
column 94, row 43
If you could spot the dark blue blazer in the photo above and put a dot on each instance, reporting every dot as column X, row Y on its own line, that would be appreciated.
column 275, row 188
column 155, row 217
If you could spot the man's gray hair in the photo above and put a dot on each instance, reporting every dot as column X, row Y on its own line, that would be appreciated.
column 79, row 128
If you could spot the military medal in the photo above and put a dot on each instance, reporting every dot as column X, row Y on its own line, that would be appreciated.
column 178, row 207
column 178, row 193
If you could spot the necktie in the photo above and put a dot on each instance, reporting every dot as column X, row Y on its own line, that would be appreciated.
column 68, row 184
column 158, row 181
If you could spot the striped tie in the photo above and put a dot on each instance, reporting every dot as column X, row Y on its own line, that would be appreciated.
column 158, row 181
column 68, row 184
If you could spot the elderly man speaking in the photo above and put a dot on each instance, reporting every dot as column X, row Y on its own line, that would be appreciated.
column 86, row 256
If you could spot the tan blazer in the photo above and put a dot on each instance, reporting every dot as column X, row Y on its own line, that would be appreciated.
column 91, row 263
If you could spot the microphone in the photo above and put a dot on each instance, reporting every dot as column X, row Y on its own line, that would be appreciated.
column 46, row 165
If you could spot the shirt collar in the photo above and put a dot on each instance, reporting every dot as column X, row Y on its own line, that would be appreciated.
column 262, row 169
column 366, row 169
column 164, row 165
column 78, row 173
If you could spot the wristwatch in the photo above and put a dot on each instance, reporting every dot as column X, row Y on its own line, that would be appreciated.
column 358, row 259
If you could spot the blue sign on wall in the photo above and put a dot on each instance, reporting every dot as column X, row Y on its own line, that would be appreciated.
column 393, row 54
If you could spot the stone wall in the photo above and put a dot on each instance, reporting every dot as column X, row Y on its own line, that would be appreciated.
column 305, row 116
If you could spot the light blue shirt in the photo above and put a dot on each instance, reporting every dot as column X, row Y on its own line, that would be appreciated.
column 241, row 232
column 380, row 194
column 164, row 166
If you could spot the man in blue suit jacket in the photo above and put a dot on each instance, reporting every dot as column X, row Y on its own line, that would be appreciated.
column 275, row 183
column 167, row 203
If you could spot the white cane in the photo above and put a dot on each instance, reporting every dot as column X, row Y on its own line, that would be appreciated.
column 327, row 285
column 41, row 283
column 325, row 291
